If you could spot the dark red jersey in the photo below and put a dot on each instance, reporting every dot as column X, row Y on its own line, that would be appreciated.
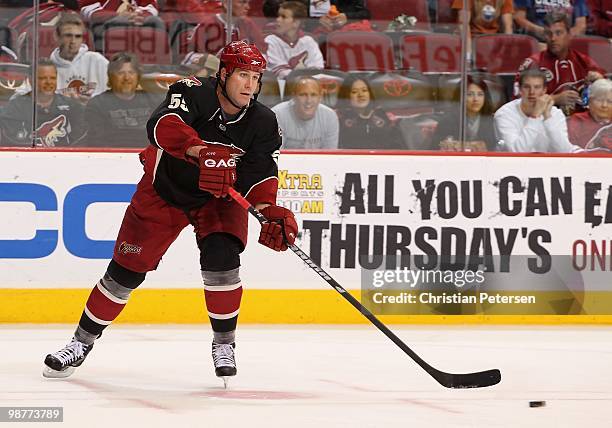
column 587, row 133
column 191, row 115
column 561, row 74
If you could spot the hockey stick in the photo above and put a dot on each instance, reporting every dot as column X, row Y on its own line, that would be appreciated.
column 449, row 380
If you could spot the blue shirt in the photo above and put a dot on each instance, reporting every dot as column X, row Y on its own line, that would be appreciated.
column 537, row 9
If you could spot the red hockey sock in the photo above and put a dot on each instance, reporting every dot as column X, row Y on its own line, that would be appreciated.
column 102, row 307
column 223, row 305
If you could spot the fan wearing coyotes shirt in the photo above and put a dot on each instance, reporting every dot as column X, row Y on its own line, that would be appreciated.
column 289, row 48
column 567, row 70
column 207, row 136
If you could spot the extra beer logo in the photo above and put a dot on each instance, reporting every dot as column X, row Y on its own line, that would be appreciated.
column 125, row 248
column 190, row 81
column 49, row 133
column 397, row 88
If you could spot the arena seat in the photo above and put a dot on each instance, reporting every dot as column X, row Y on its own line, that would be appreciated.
column 384, row 11
column 359, row 51
column 403, row 93
column 12, row 75
column 444, row 13
column 46, row 43
column 7, row 37
column 598, row 48
column 329, row 80
column 256, row 8
column 150, row 45
column 503, row 53
column 431, row 52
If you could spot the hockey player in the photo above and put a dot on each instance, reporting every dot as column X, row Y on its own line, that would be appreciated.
column 207, row 136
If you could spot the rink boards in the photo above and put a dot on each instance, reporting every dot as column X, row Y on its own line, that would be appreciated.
column 61, row 212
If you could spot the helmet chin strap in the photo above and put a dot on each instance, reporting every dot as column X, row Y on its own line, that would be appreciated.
column 226, row 95
column 223, row 85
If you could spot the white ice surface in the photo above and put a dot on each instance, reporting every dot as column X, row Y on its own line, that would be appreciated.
column 329, row 376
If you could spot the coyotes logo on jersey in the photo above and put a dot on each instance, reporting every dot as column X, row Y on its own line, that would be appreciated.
column 298, row 61
column 190, row 81
column 49, row 133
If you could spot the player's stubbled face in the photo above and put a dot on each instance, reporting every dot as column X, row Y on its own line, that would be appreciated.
column 241, row 86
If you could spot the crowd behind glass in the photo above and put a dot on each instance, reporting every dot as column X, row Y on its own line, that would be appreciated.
column 490, row 75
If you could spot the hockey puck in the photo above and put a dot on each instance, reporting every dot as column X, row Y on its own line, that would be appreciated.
column 537, row 403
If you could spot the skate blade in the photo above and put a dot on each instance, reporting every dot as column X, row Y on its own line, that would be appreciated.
column 225, row 381
column 48, row 372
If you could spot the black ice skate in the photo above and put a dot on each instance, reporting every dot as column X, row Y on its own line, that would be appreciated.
column 62, row 363
column 224, row 361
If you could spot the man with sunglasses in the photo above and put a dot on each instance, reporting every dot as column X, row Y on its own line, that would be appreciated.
column 81, row 73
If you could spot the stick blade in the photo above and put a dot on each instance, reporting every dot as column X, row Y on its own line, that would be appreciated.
column 468, row 380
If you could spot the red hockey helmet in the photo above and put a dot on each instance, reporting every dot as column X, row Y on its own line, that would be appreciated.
column 240, row 54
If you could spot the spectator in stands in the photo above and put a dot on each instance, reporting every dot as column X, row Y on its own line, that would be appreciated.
column 60, row 118
column 209, row 35
column 532, row 123
column 600, row 17
column 530, row 15
column 363, row 125
column 334, row 14
column 118, row 117
column 479, row 126
column 101, row 15
column 304, row 121
column 348, row 9
column 80, row 73
column 565, row 68
column 585, row 128
column 485, row 17
column 290, row 48
column 270, row 10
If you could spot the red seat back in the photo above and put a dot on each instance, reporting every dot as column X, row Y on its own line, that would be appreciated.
column 359, row 51
column 431, row 52
column 445, row 14
column 150, row 45
column 503, row 53
column 46, row 43
column 598, row 48
column 256, row 8
column 387, row 10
